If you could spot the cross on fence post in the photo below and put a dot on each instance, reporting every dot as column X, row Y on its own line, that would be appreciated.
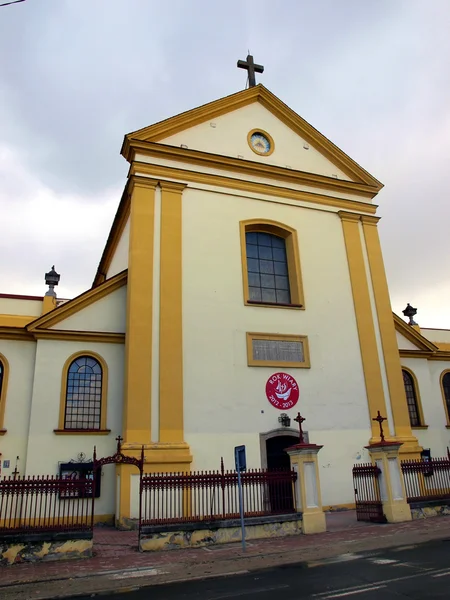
column 300, row 420
column 119, row 440
column 380, row 420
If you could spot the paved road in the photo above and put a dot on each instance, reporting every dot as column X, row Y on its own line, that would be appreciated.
column 414, row 572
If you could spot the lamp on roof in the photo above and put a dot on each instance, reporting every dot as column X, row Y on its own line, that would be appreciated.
column 409, row 313
column 51, row 279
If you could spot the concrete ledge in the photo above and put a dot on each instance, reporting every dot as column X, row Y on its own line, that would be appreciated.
column 20, row 551
column 209, row 533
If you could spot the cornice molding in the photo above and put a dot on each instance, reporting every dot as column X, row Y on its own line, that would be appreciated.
column 250, row 186
column 183, row 121
column 248, row 167
column 79, row 336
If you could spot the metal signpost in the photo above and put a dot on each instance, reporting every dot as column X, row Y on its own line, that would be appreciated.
column 241, row 465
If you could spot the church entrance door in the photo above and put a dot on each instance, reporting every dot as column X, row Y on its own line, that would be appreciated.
column 277, row 459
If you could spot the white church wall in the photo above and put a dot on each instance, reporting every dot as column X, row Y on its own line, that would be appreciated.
column 229, row 137
column 21, row 357
column 403, row 343
column 436, row 436
column 47, row 449
column 436, row 335
column 119, row 261
column 107, row 314
column 225, row 401
column 20, row 306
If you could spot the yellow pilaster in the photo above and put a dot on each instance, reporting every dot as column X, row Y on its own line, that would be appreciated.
column 307, row 495
column 48, row 304
column 171, row 428
column 364, row 318
column 402, row 425
column 138, row 344
column 392, row 487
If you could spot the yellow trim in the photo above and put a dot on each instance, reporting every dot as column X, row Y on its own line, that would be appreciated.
column 418, row 399
column 171, row 427
column 441, row 382
column 3, row 392
column 62, row 402
column 389, row 343
column 138, row 343
column 443, row 346
column 139, row 168
column 364, row 319
column 81, row 432
column 79, row 303
column 79, row 336
column 248, row 167
column 119, row 222
column 265, row 134
column 15, row 320
column 258, row 93
column 293, row 259
column 251, row 362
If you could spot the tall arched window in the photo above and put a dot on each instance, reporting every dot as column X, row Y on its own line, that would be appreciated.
column 412, row 399
column 445, row 384
column 271, row 264
column 83, row 405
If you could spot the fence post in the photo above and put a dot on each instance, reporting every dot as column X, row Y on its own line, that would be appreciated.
column 307, row 487
column 385, row 455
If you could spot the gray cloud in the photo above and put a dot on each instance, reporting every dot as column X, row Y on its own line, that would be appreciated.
column 76, row 76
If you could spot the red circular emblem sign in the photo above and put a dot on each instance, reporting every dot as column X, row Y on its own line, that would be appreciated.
column 282, row 391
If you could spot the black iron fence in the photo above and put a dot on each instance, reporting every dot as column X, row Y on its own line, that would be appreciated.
column 426, row 479
column 367, row 493
column 213, row 495
column 45, row 504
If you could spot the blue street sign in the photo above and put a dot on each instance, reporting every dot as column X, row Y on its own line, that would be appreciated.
column 240, row 458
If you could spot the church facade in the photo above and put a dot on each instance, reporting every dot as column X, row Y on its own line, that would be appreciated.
column 242, row 282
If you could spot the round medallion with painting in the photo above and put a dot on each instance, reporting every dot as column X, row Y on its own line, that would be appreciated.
column 260, row 143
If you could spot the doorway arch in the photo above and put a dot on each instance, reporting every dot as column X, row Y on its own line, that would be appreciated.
column 286, row 435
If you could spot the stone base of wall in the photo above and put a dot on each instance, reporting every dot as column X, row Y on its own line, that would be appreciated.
column 425, row 510
column 30, row 548
column 209, row 533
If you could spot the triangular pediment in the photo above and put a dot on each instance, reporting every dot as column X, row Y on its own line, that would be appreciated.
column 99, row 309
column 224, row 128
column 410, row 339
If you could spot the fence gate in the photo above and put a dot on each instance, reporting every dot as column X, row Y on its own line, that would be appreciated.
column 367, row 493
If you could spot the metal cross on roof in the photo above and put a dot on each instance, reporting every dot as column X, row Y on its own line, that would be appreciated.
column 250, row 66
column 300, row 420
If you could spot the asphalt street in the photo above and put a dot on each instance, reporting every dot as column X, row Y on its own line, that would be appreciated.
column 416, row 571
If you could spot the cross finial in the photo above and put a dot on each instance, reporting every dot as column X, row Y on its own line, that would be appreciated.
column 250, row 66
column 300, row 420
column 380, row 420
column 119, row 440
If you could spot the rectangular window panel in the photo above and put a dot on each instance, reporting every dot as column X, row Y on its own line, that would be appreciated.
column 267, row 350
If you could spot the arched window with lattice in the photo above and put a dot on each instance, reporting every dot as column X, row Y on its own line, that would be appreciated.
column 271, row 264
column 83, row 394
column 412, row 398
column 4, row 369
column 445, row 387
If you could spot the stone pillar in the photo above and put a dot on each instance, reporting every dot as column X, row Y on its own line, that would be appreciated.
column 307, row 487
column 385, row 455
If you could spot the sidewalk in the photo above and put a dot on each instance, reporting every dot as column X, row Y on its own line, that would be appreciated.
column 117, row 564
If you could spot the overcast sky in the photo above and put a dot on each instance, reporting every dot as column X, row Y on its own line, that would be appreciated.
column 76, row 75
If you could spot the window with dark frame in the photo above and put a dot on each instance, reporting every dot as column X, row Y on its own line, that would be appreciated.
column 411, row 398
column 1, row 378
column 446, row 388
column 84, row 394
column 267, row 268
